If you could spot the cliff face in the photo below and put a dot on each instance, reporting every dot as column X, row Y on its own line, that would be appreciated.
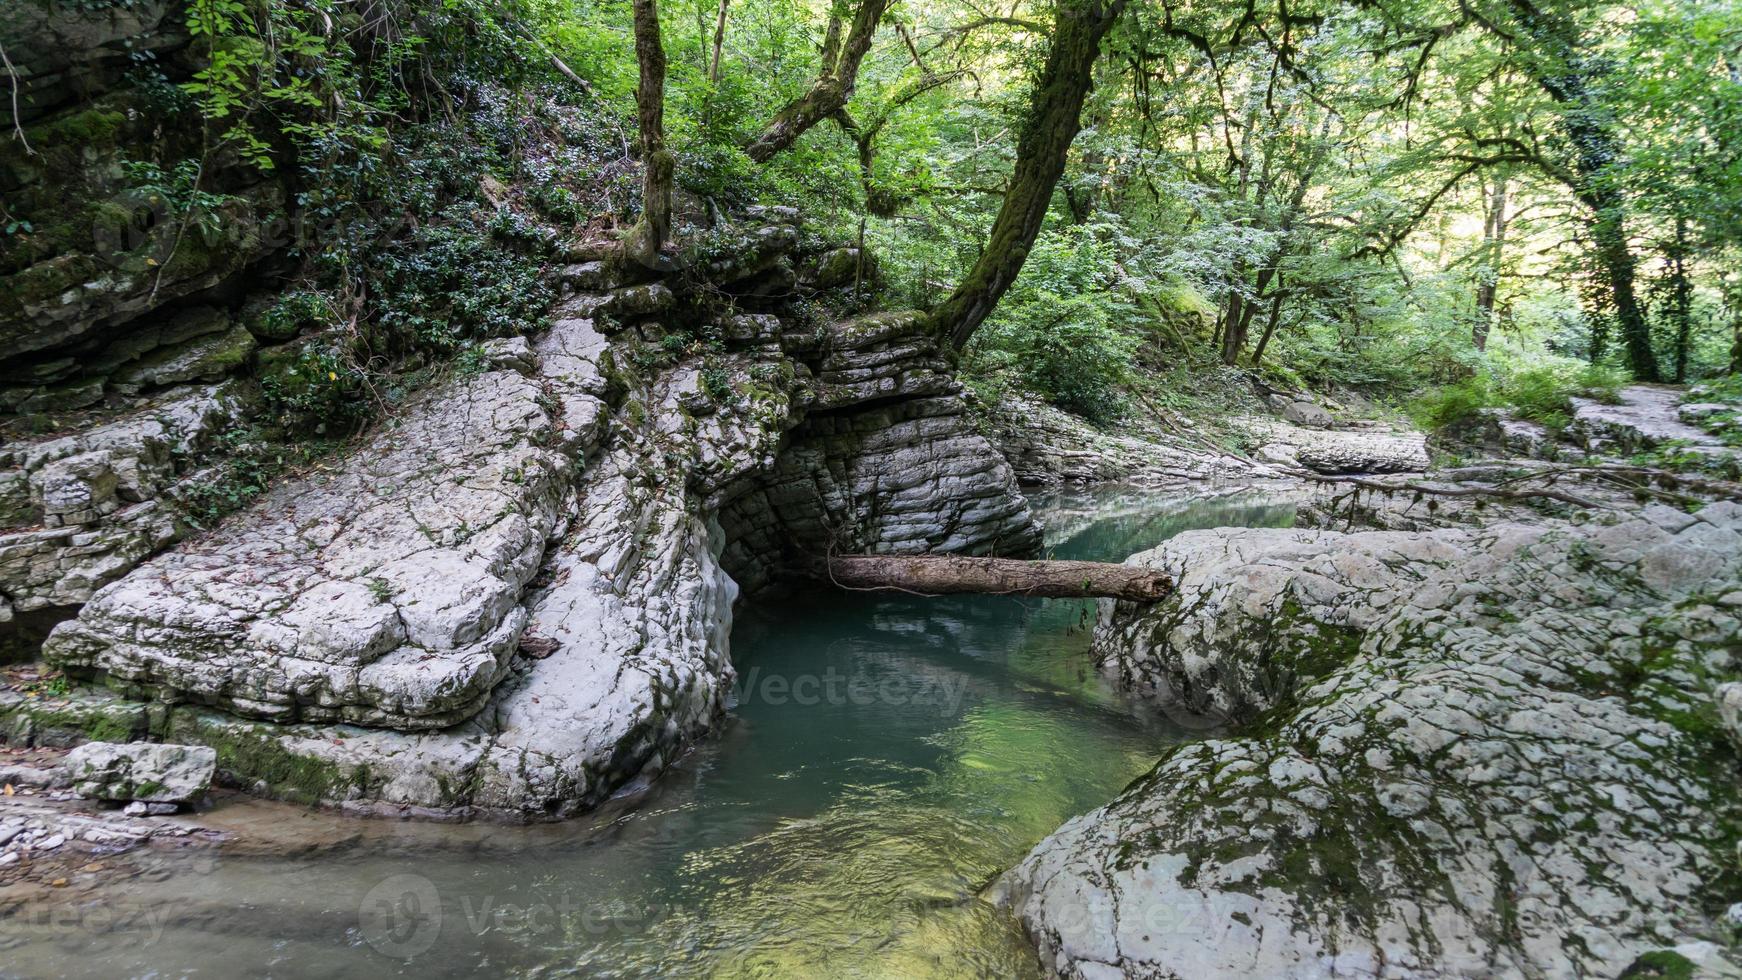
column 99, row 261
column 516, row 593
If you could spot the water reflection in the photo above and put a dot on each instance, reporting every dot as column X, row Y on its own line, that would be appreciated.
column 888, row 756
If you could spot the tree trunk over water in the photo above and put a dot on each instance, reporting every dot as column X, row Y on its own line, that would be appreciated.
column 954, row 574
column 1055, row 114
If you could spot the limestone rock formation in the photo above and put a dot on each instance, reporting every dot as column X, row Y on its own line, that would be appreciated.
column 1365, row 449
column 382, row 592
column 1470, row 752
column 515, row 595
column 1049, row 447
column 147, row 772
column 78, row 511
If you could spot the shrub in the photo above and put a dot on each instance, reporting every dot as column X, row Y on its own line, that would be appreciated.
column 1449, row 404
column 1064, row 349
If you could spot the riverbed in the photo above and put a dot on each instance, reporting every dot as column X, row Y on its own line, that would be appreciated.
column 887, row 757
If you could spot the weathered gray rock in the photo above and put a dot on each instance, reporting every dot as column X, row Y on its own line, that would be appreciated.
column 210, row 358
column 358, row 627
column 1301, row 411
column 1479, row 752
column 146, row 772
column 384, row 591
column 1049, row 447
column 1643, row 417
column 639, row 610
column 1369, row 449
column 887, row 461
column 1498, row 431
column 87, row 506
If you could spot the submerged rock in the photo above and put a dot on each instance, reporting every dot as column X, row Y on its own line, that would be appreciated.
column 145, row 772
column 1471, row 752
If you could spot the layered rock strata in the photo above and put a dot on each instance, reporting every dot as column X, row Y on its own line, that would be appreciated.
column 516, row 595
column 79, row 510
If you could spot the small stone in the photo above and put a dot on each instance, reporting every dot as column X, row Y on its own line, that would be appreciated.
column 50, row 843
column 141, row 771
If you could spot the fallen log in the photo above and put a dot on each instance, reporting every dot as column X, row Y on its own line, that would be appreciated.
column 957, row 574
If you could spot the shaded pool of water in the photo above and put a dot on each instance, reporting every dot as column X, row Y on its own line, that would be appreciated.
column 888, row 756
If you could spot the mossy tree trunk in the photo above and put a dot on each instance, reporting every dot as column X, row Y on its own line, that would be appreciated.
column 1569, row 75
column 646, row 242
column 1493, row 247
column 1055, row 115
column 832, row 88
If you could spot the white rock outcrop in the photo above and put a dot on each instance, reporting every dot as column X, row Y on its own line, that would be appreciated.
column 1469, row 752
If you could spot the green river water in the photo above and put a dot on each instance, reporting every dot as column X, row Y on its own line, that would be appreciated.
column 887, row 758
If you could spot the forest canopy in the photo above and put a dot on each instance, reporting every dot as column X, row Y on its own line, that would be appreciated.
column 1379, row 194
column 1366, row 193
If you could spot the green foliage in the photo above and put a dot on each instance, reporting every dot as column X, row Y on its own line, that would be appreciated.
column 316, row 387
column 246, row 463
column 1063, row 348
column 1450, row 404
column 176, row 191
column 1539, row 390
column 292, row 313
column 1059, row 332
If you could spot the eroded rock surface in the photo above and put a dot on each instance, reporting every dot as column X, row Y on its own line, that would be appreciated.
column 1049, row 447
column 1482, row 751
column 1642, row 417
column 1366, row 449
column 383, row 592
column 85, row 508
column 146, row 772
column 515, row 596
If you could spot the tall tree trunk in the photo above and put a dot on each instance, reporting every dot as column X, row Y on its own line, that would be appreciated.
column 1053, row 119
column 1493, row 244
column 719, row 40
column 832, row 88
column 1564, row 70
column 1231, row 338
column 1270, row 326
column 1616, row 258
column 1684, row 326
column 646, row 242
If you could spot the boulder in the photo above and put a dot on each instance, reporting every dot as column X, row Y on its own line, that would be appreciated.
column 1469, row 752
column 382, row 590
column 1301, row 411
column 146, row 772
column 1346, row 451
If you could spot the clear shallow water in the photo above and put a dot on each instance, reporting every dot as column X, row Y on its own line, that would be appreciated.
column 888, row 757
